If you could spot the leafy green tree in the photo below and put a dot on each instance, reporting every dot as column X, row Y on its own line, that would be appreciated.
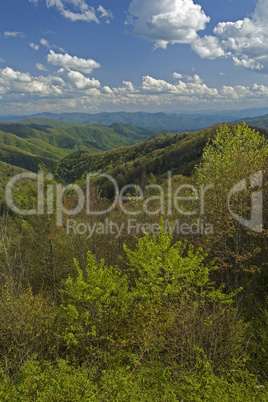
column 235, row 154
column 162, row 300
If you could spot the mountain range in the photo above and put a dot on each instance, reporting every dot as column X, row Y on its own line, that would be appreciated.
column 155, row 157
column 177, row 122
column 38, row 140
column 29, row 145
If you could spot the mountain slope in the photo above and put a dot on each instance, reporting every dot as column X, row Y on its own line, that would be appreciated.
column 179, row 153
column 27, row 146
column 104, row 138
column 259, row 122
column 47, row 123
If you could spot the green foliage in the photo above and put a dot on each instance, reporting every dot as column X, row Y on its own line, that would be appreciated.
column 179, row 153
column 235, row 154
column 155, row 329
column 163, row 270
column 25, row 323
column 259, row 122
column 155, row 322
column 28, row 145
column 232, row 149
column 105, row 307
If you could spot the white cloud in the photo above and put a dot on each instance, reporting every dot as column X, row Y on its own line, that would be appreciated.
column 246, row 62
column 78, row 80
column 16, row 85
column 177, row 76
column 78, row 10
column 107, row 14
column 2, row 60
column 34, row 46
column 66, row 61
column 41, row 67
column 195, row 78
column 167, row 21
column 69, row 89
column 179, row 21
column 208, row 47
column 247, row 39
column 129, row 86
column 13, row 34
column 194, row 87
column 16, row 82
column 107, row 90
column 45, row 43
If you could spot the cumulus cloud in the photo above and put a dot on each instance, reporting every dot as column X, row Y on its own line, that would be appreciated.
column 179, row 21
column 177, row 76
column 247, row 39
column 77, row 10
column 78, row 80
column 188, row 90
column 246, row 62
column 167, row 21
column 194, row 87
column 41, row 67
column 107, row 90
column 16, row 85
column 66, row 61
column 13, row 34
column 71, row 89
column 34, row 46
column 208, row 47
column 16, row 82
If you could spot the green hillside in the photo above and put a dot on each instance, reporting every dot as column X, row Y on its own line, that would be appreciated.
column 7, row 171
column 260, row 122
column 47, row 123
column 29, row 145
column 179, row 153
column 105, row 138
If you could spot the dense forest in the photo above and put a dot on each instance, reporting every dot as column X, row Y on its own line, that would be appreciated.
column 175, row 309
column 35, row 141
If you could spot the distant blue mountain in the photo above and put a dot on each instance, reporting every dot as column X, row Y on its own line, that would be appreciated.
column 177, row 122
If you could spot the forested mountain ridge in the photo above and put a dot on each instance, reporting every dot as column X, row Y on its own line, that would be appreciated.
column 259, row 122
column 168, row 121
column 29, row 145
column 179, row 153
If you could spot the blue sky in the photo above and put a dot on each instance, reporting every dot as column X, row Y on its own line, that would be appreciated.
column 149, row 55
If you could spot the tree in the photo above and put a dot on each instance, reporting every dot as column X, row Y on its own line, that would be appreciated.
column 236, row 153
